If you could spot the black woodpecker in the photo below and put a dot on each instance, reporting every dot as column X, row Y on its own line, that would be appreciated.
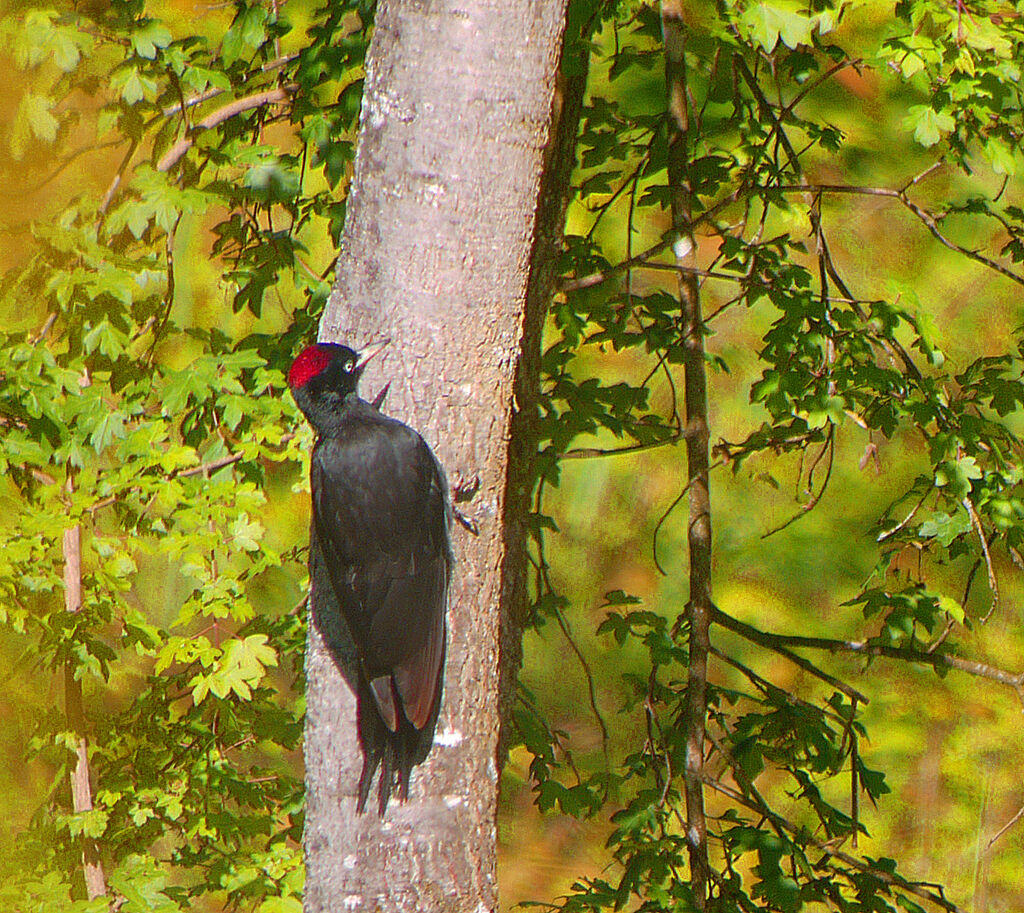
column 382, row 515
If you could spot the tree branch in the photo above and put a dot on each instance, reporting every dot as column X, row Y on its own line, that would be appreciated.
column 201, row 97
column 930, row 221
column 201, row 469
column 780, row 643
column 81, row 789
column 918, row 890
column 691, row 326
column 271, row 96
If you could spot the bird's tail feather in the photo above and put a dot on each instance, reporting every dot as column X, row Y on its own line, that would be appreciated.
column 395, row 753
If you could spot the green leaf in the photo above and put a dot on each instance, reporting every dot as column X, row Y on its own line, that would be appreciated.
column 1001, row 156
column 246, row 533
column 952, row 608
column 768, row 23
column 928, row 125
column 34, row 112
column 287, row 904
column 92, row 823
column 958, row 475
column 110, row 427
column 151, row 36
column 110, row 341
column 945, row 527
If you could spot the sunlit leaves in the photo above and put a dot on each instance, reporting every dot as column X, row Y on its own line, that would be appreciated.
column 155, row 438
column 929, row 125
column 33, row 119
column 781, row 20
column 43, row 37
column 148, row 37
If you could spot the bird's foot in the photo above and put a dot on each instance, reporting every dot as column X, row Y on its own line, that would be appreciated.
column 464, row 490
column 466, row 522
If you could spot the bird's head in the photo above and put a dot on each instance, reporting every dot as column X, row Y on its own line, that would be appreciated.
column 323, row 376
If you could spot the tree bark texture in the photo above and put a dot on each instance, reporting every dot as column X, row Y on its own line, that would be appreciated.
column 549, row 233
column 436, row 255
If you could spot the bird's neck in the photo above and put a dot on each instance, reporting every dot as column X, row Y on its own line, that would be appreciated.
column 329, row 413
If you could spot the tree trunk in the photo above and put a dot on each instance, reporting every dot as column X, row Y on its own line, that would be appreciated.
column 436, row 255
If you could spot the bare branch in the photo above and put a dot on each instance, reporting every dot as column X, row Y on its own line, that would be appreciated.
column 805, row 509
column 780, row 642
column 929, row 220
column 269, row 97
column 993, row 584
column 585, row 453
column 1005, row 828
column 200, row 470
column 589, row 281
column 589, row 676
column 889, row 533
column 667, row 513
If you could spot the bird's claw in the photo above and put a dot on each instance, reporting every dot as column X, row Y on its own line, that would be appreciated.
column 465, row 522
column 465, row 489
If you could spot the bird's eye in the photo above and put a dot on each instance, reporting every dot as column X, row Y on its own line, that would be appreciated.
column 348, row 365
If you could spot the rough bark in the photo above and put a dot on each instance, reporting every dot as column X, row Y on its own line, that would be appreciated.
column 560, row 161
column 436, row 255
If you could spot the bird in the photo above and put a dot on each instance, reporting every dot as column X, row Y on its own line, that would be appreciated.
column 382, row 517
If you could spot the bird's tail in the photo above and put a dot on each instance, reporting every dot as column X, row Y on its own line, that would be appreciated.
column 394, row 752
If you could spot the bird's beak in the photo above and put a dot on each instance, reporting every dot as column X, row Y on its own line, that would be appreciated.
column 370, row 352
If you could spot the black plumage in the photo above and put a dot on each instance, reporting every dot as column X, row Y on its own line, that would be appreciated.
column 381, row 515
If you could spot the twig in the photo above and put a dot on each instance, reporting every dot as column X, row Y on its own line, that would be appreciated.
column 925, row 217
column 44, row 330
column 889, row 533
column 780, row 644
column 767, row 687
column 667, row 513
column 202, row 469
column 108, row 197
column 589, row 281
column 1005, row 828
column 950, row 622
column 589, row 675
column 586, row 453
column 271, row 96
column 16, row 191
column 815, row 498
column 993, row 584
column 201, row 97
column 776, row 642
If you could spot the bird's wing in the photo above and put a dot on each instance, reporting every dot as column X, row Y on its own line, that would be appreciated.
column 380, row 507
column 417, row 675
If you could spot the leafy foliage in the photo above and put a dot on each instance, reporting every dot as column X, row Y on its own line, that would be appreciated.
column 158, row 437
column 833, row 364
